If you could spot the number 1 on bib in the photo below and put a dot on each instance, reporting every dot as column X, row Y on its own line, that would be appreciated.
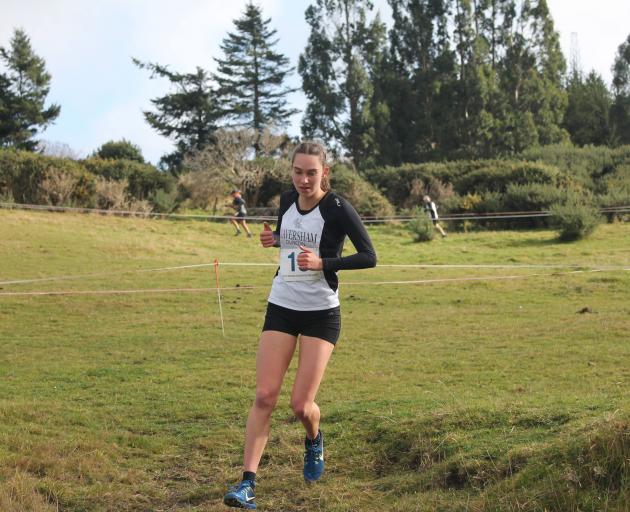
column 290, row 271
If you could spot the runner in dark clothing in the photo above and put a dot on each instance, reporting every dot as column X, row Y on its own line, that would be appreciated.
column 241, row 212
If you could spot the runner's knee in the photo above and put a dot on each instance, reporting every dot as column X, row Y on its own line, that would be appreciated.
column 301, row 408
column 266, row 399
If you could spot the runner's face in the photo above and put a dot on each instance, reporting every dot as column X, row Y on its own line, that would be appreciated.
column 307, row 175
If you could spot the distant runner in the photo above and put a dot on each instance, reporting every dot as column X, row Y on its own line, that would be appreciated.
column 241, row 212
column 431, row 209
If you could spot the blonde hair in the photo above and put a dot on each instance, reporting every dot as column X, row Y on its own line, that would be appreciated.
column 311, row 147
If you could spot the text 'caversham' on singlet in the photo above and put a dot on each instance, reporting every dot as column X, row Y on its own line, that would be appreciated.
column 323, row 230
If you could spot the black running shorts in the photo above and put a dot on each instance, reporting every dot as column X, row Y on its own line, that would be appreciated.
column 324, row 323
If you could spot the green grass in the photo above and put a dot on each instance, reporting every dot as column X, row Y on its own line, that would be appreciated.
column 457, row 395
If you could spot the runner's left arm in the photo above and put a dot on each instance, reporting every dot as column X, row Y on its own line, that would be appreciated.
column 351, row 224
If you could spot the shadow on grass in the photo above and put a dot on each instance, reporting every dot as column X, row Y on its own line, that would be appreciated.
column 534, row 242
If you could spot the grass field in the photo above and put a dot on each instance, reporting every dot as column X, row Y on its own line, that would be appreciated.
column 481, row 395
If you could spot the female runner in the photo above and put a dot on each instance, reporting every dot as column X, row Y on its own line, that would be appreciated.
column 303, row 305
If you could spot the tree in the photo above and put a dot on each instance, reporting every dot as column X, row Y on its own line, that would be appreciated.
column 620, row 111
column 470, row 79
column 530, row 72
column 189, row 115
column 251, row 76
column 587, row 115
column 24, row 86
column 418, row 80
column 120, row 150
column 337, row 69
column 215, row 170
column 58, row 149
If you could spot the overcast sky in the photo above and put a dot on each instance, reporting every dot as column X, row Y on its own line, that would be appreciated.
column 88, row 48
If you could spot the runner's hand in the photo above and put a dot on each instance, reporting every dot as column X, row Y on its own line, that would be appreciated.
column 308, row 260
column 266, row 236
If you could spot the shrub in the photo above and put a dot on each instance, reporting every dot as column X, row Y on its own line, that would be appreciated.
column 111, row 194
column 163, row 201
column 9, row 168
column 57, row 187
column 143, row 179
column 138, row 206
column 497, row 175
column 7, row 197
column 421, row 227
column 404, row 186
column 39, row 179
column 364, row 197
column 531, row 197
column 120, row 150
column 616, row 197
column 590, row 166
column 203, row 189
column 575, row 218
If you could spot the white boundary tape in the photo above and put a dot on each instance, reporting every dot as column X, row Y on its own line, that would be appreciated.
column 350, row 283
column 366, row 220
column 245, row 264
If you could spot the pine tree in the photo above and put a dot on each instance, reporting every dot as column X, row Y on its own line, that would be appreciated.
column 23, row 90
column 251, row 76
column 188, row 116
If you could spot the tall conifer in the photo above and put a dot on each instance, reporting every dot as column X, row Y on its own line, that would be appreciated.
column 188, row 116
column 24, row 86
column 251, row 76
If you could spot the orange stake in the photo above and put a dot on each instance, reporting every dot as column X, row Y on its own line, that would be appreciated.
column 216, row 273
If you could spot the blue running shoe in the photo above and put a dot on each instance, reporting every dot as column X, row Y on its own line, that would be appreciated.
column 314, row 458
column 241, row 495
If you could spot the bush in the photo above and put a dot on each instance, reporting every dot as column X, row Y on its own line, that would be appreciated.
column 614, row 198
column 9, row 169
column 531, row 197
column 120, row 150
column 364, row 197
column 39, row 179
column 404, row 186
column 203, row 189
column 590, row 166
column 163, row 202
column 143, row 179
column 421, row 227
column 575, row 218
column 114, row 195
column 7, row 197
column 111, row 194
column 497, row 175
column 58, row 187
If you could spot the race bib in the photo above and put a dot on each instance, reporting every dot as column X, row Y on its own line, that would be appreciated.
column 289, row 270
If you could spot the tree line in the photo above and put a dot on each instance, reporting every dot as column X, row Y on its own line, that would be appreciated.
column 448, row 79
